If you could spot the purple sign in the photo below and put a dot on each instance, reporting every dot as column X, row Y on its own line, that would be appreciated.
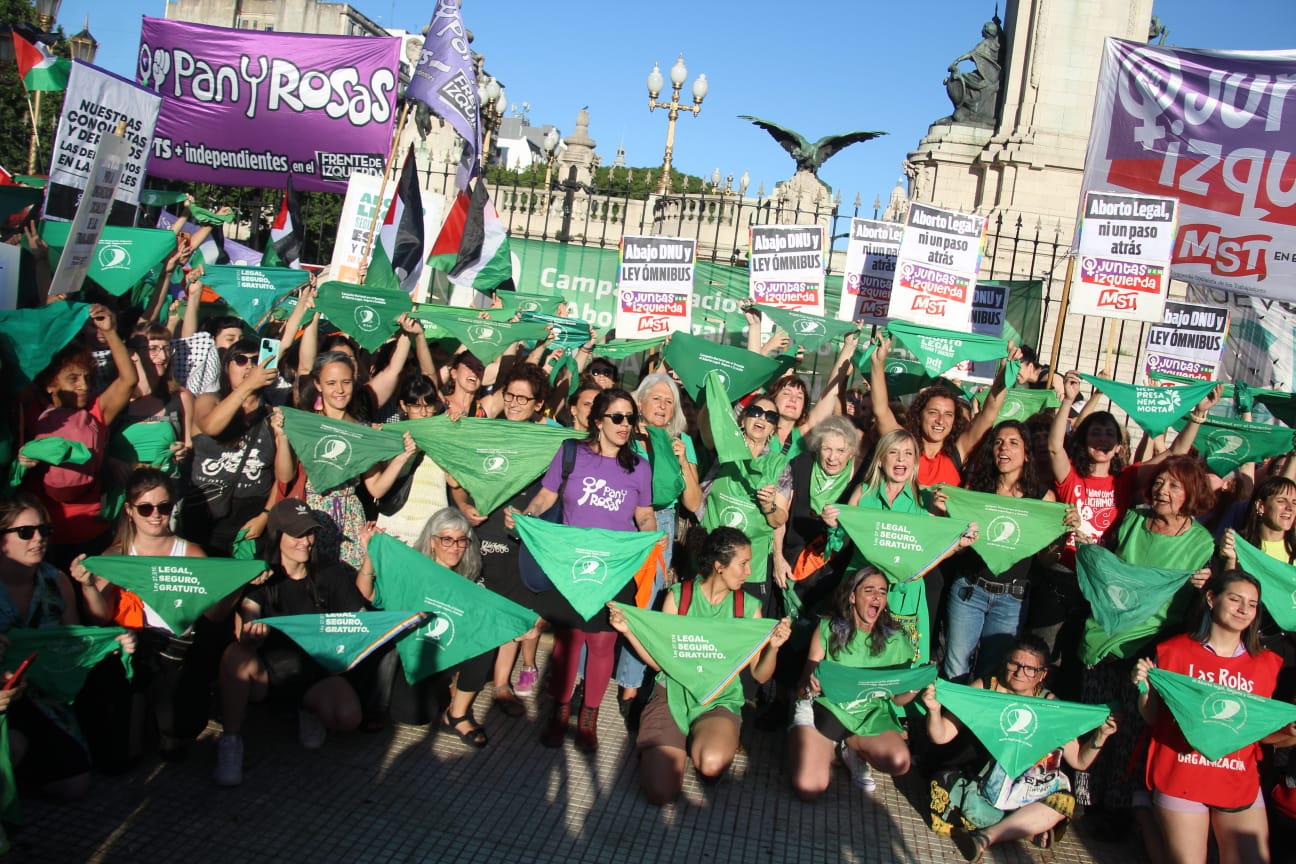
column 446, row 83
column 244, row 108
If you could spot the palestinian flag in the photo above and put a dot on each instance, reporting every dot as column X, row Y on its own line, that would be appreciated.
column 472, row 247
column 286, row 238
column 402, row 229
column 213, row 248
column 38, row 68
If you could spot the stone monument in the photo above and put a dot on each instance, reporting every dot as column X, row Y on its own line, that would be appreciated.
column 579, row 152
column 805, row 191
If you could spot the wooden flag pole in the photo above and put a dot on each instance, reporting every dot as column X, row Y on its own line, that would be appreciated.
column 382, row 189
column 1111, row 346
column 1061, row 322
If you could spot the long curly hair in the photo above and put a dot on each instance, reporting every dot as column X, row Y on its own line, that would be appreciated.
column 983, row 475
column 841, row 624
column 913, row 417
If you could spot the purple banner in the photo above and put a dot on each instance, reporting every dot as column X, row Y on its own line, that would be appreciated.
column 1214, row 130
column 445, row 81
column 243, row 107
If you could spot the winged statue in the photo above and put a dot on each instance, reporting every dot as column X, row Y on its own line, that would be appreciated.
column 809, row 156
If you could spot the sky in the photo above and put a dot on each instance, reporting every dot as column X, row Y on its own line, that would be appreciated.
column 847, row 65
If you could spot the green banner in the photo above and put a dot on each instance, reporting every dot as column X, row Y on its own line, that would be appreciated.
column 464, row 619
column 904, row 546
column 492, row 459
column 1009, row 529
column 122, row 257
column 179, row 590
column 1123, row 595
column 1218, row 720
column 619, row 349
column 730, row 443
column 856, row 695
column 1022, row 403
column 1018, row 730
column 252, row 291
column 741, row 371
column 29, row 338
column 806, row 330
column 940, row 350
column 1227, row 445
column 1277, row 581
column 588, row 565
column 702, row 656
column 487, row 340
column 339, row 641
column 1155, row 409
column 66, row 654
column 366, row 314
column 334, row 452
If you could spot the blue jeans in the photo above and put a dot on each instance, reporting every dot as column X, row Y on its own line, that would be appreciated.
column 630, row 669
column 979, row 622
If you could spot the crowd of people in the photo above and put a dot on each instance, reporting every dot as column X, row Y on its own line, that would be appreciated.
column 181, row 418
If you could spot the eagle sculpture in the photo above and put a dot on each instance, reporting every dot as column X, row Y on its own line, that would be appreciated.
column 809, row 156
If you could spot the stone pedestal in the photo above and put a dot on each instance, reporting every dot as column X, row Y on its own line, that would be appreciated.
column 943, row 170
column 804, row 192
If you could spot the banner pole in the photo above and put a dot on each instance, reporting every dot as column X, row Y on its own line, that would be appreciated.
column 1061, row 322
column 1111, row 345
column 382, row 189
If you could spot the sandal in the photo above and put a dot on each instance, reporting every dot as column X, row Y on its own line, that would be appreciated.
column 475, row 736
column 971, row 844
column 508, row 702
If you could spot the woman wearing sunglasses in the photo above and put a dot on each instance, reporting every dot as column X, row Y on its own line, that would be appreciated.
column 45, row 742
column 231, row 485
column 608, row 487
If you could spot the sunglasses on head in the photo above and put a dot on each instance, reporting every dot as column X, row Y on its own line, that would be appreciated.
column 146, row 510
column 754, row 411
column 619, row 418
column 27, row 532
column 242, row 360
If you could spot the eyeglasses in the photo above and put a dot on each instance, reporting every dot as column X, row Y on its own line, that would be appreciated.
column 241, row 360
column 1028, row 671
column 517, row 398
column 159, row 349
column 754, row 412
column 27, row 532
column 420, row 408
column 452, row 542
column 618, row 418
column 603, row 372
column 146, row 510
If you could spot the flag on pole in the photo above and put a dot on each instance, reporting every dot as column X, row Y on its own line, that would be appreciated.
column 472, row 247
column 402, row 229
column 37, row 67
column 445, row 80
column 286, row 232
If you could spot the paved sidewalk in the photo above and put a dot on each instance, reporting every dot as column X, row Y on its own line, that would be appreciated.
column 408, row 794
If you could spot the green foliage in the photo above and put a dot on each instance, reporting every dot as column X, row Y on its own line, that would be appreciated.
column 15, row 115
column 624, row 182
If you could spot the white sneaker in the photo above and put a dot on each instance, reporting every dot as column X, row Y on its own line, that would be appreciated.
column 860, row 772
column 311, row 731
column 229, row 761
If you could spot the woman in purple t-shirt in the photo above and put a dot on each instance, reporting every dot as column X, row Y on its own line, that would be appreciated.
column 609, row 487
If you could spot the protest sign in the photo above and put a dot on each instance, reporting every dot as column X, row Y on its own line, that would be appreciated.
column 361, row 214
column 91, row 214
column 1123, row 265
column 786, row 263
column 936, row 268
column 246, row 107
column 870, row 268
column 1205, row 127
column 1188, row 342
column 655, row 286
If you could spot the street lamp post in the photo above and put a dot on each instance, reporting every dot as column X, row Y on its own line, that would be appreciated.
column 494, row 102
column 551, row 155
column 678, row 74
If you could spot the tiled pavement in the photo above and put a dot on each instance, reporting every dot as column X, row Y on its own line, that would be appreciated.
column 408, row 794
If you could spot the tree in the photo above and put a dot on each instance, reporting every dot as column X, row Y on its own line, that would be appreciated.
column 15, row 115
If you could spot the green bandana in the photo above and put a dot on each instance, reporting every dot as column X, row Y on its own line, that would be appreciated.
column 178, row 590
column 29, row 338
column 1218, row 720
column 1229, row 444
column 1018, row 730
column 487, row 340
column 588, row 565
column 905, row 376
column 492, row 459
column 808, row 331
column 1010, row 529
column 366, row 314
column 1021, row 403
column 730, row 443
column 252, row 291
column 339, row 641
column 203, row 216
column 569, row 333
column 940, row 350
column 1123, row 595
column 904, row 546
column 1280, row 405
column 858, row 696
column 701, row 656
column 667, row 475
column 741, row 371
column 513, row 302
column 161, row 197
column 1155, row 409
column 379, row 275
column 122, row 257
column 52, row 450
column 145, row 443
column 826, row 488
column 619, row 349
column 67, row 654
column 10, row 809
column 244, row 548
column 464, row 619
column 334, row 452
column 1243, row 397
column 1277, row 581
